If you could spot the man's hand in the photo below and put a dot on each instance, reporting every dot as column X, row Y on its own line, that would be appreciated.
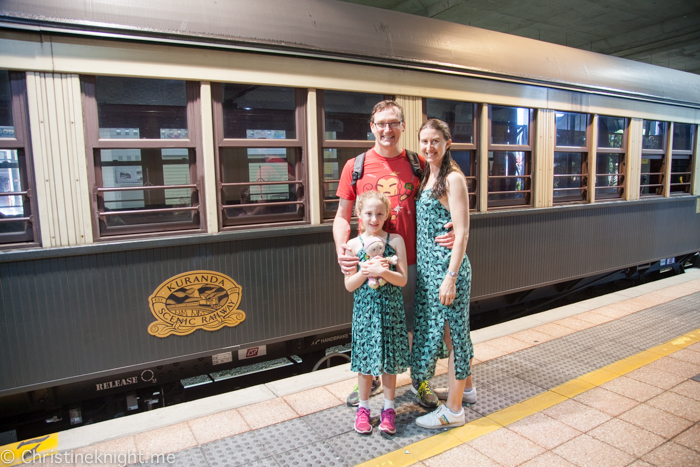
column 347, row 262
column 448, row 239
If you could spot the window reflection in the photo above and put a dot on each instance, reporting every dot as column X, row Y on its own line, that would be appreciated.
column 259, row 112
column 7, row 129
column 139, row 108
column 611, row 132
column 10, row 182
column 261, row 176
column 459, row 117
column 347, row 114
column 609, row 174
column 570, row 178
column 509, row 176
column 653, row 134
column 682, row 158
column 683, row 136
column 571, row 129
column 680, row 173
column 510, row 125
column 466, row 160
column 125, row 170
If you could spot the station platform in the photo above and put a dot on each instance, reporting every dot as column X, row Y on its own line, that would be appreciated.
column 611, row 381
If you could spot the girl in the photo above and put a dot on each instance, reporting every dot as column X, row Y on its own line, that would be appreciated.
column 379, row 337
column 443, row 278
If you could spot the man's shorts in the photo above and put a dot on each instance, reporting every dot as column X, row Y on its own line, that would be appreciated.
column 409, row 297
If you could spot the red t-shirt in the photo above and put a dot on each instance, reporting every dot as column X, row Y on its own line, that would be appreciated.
column 393, row 177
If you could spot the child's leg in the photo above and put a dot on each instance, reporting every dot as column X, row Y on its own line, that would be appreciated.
column 456, row 386
column 389, row 382
column 364, row 385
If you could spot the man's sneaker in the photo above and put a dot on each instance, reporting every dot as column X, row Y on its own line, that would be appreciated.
column 388, row 424
column 442, row 417
column 468, row 397
column 424, row 395
column 354, row 396
column 362, row 424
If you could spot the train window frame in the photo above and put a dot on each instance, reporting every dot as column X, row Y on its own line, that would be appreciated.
column 297, row 144
column 20, row 142
column 192, row 144
column 653, row 154
column 472, row 148
column 686, row 154
column 621, row 174
column 585, row 164
column 329, row 206
column 527, row 150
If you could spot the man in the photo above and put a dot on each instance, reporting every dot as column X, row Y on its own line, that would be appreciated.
column 387, row 169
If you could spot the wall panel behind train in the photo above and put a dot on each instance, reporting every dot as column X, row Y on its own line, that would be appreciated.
column 58, row 144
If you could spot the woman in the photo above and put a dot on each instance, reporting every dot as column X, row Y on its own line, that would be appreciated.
column 444, row 279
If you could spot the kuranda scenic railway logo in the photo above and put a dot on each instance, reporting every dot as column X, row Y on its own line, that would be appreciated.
column 195, row 300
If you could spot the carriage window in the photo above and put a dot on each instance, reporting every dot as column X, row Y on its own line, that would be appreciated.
column 571, row 157
column 144, row 154
column 260, row 170
column 653, row 158
column 459, row 116
column 345, row 134
column 510, row 156
column 610, row 159
column 18, row 225
column 682, row 158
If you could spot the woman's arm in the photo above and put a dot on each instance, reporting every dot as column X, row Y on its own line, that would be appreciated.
column 458, row 205
column 354, row 280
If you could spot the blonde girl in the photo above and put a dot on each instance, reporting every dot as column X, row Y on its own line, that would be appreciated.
column 379, row 336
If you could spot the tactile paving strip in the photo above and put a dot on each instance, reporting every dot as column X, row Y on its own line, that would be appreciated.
column 332, row 422
column 356, row 448
column 287, row 435
column 514, row 388
column 236, row 450
column 327, row 438
column 312, row 455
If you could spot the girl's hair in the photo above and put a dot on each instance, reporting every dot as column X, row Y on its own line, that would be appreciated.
column 360, row 203
column 448, row 164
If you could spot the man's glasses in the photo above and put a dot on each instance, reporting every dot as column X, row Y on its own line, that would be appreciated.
column 392, row 125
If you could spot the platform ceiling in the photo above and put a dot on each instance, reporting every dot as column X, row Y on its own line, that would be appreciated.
column 660, row 32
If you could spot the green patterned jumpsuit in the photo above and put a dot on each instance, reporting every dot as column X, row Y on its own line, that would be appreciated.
column 379, row 336
column 433, row 261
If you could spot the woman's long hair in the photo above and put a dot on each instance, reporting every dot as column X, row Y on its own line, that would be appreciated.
column 448, row 164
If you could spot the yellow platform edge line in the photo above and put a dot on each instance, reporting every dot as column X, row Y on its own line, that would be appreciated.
column 434, row 445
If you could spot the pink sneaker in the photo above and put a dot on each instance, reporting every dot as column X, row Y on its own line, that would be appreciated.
column 388, row 424
column 362, row 424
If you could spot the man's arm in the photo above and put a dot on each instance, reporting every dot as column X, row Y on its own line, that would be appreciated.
column 341, row 234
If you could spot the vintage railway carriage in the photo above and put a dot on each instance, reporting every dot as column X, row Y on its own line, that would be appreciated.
column 169, row 170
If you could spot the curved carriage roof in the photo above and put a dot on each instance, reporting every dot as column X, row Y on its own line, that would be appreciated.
column 342, row 31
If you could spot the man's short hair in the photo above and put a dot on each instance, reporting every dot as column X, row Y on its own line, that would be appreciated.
column 383, row 105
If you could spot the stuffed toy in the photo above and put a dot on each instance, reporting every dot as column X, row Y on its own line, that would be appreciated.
column 374, row 246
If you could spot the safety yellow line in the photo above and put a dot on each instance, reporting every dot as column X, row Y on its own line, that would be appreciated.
column 446, row 440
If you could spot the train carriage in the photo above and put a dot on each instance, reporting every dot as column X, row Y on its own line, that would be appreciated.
column 169, row 174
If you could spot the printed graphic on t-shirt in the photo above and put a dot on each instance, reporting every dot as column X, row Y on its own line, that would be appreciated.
column 397, row 193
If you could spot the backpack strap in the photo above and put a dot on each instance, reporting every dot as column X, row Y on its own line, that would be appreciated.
column 415, row 163
column 358, row 168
